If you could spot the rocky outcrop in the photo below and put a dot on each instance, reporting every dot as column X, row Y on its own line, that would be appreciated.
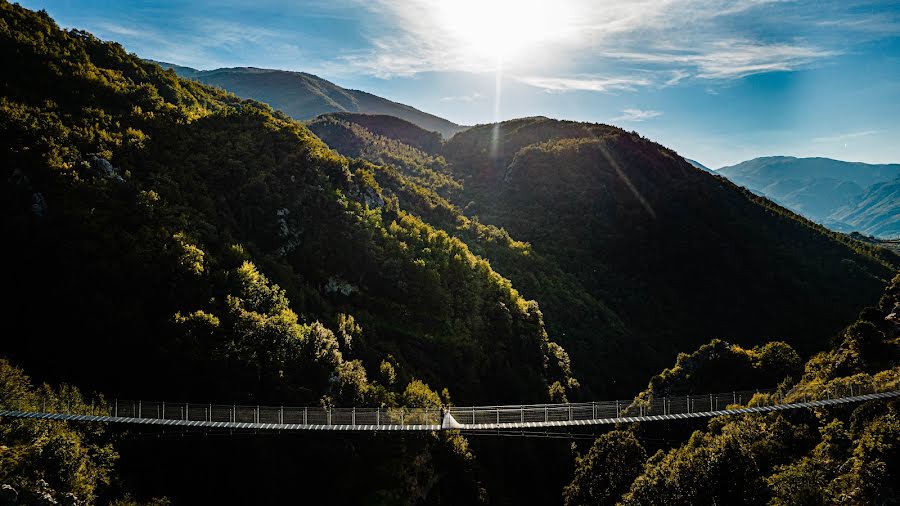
column 103, row 168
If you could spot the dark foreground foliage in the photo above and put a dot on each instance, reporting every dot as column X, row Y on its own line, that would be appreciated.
column 836, row 455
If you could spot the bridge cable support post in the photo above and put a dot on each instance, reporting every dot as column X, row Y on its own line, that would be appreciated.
column 163, row 411
column 617, row 409
column 353, row 417
column 546, row 414
column 209, row 413
column 281, row 416
column 305, row 412
column 688, row 403
column 257, row 413
column 187, row 408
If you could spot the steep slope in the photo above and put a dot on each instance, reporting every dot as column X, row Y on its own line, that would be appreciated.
column 633, row 255
column 699, row 165
column 304, row 96
column 844, row 454
column 171, row 240
column 813, row 187
column 876, row 212
column 677, row 254
column 422, row 183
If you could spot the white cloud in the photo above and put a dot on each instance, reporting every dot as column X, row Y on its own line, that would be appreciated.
column 730, row 58
column 634, row 114
column 845, row 137
column 475, row 96
column 603, row 84
column 669, row 40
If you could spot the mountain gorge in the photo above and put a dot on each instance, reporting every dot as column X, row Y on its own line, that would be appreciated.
column 169, row 240
column 633, row 254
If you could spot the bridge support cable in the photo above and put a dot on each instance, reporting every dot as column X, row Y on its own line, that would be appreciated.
column 470, row 418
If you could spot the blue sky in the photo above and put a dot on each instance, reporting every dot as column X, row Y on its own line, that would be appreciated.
column 718, row 81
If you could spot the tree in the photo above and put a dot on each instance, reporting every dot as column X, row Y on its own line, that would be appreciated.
column 607, row 470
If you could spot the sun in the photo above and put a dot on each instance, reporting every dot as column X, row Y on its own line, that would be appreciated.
column 504, row 30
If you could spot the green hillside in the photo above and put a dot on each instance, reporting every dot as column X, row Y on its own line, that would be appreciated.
column 174, row 241
column 634, row 255
column 166, row 239
column 845, row 455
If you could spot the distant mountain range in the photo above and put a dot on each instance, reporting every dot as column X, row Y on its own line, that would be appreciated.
column 844, row 196
column 304, row 96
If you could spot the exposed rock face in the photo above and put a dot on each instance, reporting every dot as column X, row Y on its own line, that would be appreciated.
column 38, row 205
column 366, row 195
column 103, row 168
column 335, row 285
column 894, row 318
column 290, row 234
column 372, row 199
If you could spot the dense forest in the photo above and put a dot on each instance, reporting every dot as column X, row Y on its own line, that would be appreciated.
column 633, row 254
column 841, row 455
column 166, row 239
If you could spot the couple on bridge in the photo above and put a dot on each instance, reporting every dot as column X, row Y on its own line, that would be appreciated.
column 447, row 420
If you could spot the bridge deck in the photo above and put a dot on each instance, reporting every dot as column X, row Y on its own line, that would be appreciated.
column 474, row 418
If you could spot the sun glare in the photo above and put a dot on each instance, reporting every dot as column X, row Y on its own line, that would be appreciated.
column 504, row 30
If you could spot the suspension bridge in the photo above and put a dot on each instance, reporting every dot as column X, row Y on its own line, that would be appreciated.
column 471, row 418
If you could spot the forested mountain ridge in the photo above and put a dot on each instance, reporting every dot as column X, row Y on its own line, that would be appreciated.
column 830, row 192
column 632, row 252
column 304, row 96
column 188, row 244
column 845, row 454
column 171, row 240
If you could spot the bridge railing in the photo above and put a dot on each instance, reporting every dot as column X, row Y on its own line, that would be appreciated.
column 431, row 418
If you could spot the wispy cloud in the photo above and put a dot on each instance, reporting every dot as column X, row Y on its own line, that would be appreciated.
column 634, row 114
column 671, row 41
column 603, row 84
column 729, row 59
column 472, row 97
column 209, row 43
column 845, row 137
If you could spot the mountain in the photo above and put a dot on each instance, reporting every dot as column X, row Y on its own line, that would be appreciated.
column 633, row 254
column 167, row 239
column 816, row 187
column 698, row 165
column 174, row 241
column 304, row 96
column 875, row 212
